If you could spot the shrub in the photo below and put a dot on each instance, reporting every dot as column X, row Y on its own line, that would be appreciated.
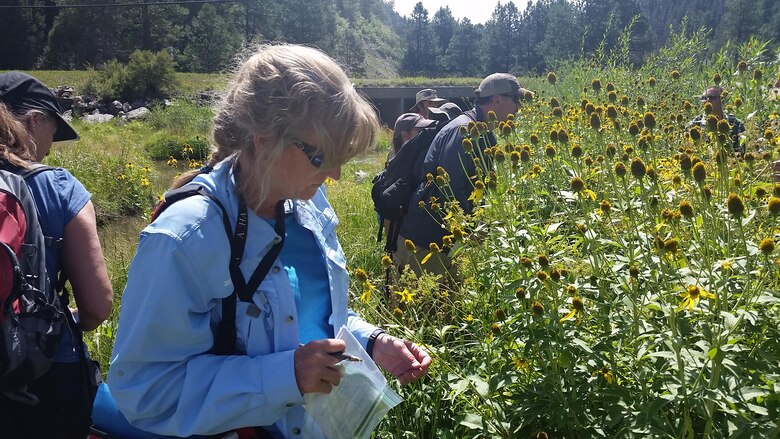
column 146, row 75
column 163, row 146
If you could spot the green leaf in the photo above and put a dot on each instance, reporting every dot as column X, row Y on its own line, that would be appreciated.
column 472, row 421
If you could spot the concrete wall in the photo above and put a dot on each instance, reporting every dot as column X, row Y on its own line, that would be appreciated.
column 392, row 102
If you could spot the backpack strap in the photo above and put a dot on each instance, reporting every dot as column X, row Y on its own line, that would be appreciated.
column 225, row 337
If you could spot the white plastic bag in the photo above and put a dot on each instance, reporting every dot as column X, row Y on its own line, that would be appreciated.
column 359, row 402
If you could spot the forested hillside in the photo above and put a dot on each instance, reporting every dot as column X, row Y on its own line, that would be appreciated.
column 367, row 36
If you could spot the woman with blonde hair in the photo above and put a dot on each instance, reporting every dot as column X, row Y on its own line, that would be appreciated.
column 61, row 401
column 290, row 119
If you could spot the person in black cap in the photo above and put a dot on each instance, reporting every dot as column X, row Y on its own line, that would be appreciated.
column 406, row 127
column 499, row 93
column 30, row 120
column 37, row 107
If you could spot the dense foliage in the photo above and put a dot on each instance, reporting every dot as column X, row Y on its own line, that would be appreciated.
column 367, row 36
column 620, row 276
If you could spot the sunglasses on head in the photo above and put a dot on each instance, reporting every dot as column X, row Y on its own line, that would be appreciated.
column 315, row 158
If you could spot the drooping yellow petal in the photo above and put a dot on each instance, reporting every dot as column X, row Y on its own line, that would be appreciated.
column 425, row 259
column 569, row 316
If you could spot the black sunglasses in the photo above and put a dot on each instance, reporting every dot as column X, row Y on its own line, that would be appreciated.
column 710, row 98
column 315, row 158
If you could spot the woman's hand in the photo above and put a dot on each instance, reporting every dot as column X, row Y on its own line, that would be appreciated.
column 314, row 371
column 404, row 359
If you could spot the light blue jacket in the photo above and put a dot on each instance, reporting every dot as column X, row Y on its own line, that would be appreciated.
column 163, row 375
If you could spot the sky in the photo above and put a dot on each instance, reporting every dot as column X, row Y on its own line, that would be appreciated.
column 478, row 11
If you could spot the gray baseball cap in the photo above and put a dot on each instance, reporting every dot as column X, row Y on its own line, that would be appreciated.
column 500, row 84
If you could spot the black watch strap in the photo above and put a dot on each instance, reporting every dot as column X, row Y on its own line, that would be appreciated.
column 371, row 340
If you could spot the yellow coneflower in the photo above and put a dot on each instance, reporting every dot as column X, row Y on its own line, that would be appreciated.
column 563, row 136
column 410, row 247
column 672, row 245
column 760, row 192
column 576, row 151
column 712, row 122
column 500, row 314
column 605, row 373
column 773, row 206
column 767, row 246
column 361, row 275
column 543, row 261
column 478, row 192
column 649, row 120
column 716, row 78
column 633, row 271
column 549, row 151
column 386, row 261
column 757, row 75
column 520, row 293
column 699, row 172
column 552, row 78
column 520, row 364
column 595, row 121
column 596, row 85
column 742, row 66
column 405, row 296
column 578, row 308
column 638, row 168
column 735, row 205
column 576, row 184
column 537, row 308
column 651, row 81
column 685, row 162
column 612, row 112
column 605, row 207
column 172, row 161
column 686, row 209
column 620, row 169
column 553, row 135
column 738, row 102
column 723, row 126
column 398, row 312
column 640, row 102
column 468, row 146
column 675, row 74
column 495, row 328
column 541, row 275
column 691, row 297
column 555, row 274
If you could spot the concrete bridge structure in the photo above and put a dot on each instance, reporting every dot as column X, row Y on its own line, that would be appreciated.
column 392, row 102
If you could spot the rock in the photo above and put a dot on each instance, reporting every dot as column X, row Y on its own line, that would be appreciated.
column 138, row 113
column 98, row 118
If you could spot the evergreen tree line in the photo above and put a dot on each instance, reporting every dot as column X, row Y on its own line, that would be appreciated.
column 547, row 32
column 367, row 36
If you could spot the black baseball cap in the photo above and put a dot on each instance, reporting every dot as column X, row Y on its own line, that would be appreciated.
column 20, row 91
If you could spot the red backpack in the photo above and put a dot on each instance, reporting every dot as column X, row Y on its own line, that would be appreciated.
column 31, row 315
